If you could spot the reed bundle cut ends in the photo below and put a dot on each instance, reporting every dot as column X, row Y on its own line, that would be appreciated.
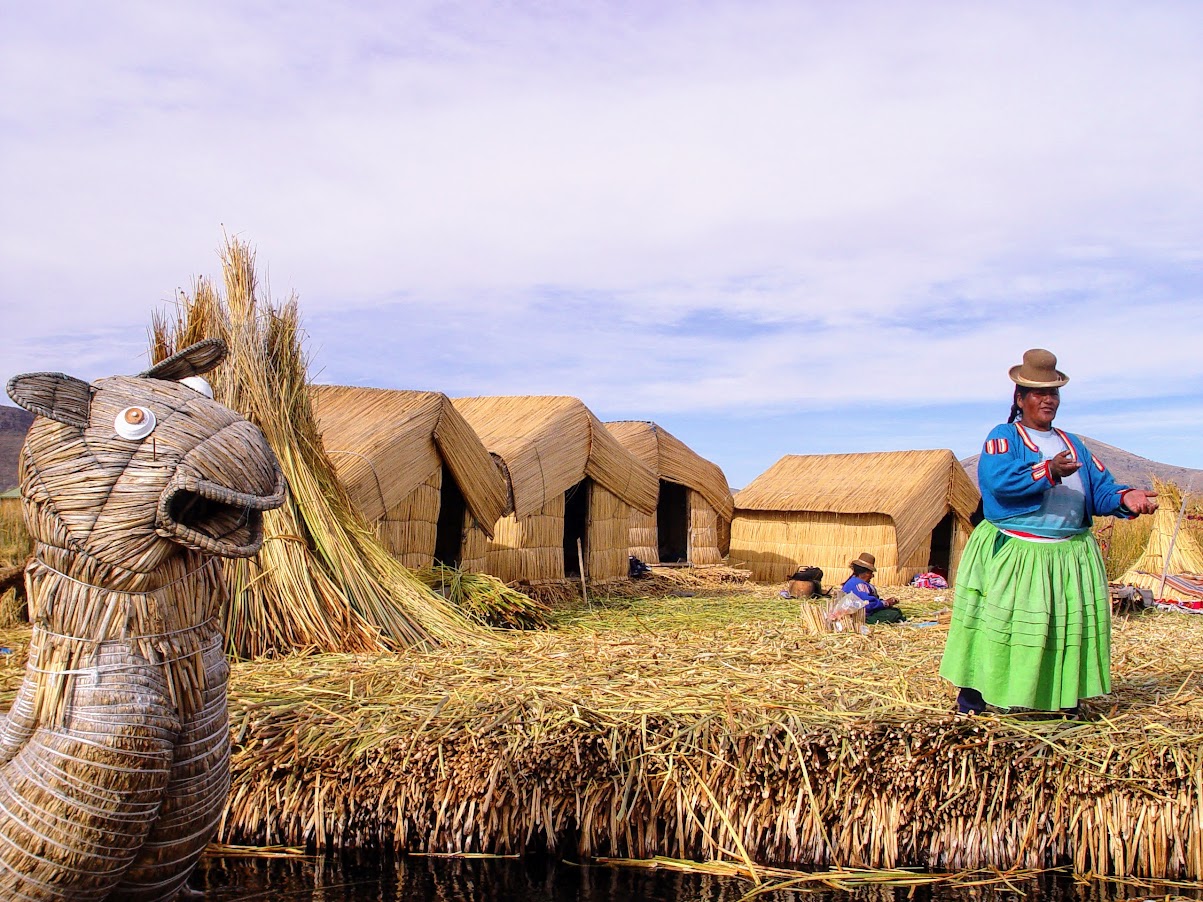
column 826, row 615
column 718, row 727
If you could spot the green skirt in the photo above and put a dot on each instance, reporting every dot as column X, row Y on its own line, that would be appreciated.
column 1031, row 621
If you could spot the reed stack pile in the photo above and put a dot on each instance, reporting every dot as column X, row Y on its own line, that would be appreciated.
column 720, row 728
column 1171, row 549
column 322, row 580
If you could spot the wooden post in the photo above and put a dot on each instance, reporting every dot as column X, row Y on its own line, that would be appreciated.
column 1165, row 563
column 580, row 559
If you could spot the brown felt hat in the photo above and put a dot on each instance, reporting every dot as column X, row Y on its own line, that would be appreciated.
column 1038, row 370
column 865, row 560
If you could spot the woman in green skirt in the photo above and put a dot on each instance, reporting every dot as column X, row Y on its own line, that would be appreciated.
column 1031, row 616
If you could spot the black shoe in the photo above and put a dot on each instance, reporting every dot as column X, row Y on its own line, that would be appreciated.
column 970, row 702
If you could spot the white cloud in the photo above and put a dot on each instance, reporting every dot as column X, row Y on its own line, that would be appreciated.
column 547, row 198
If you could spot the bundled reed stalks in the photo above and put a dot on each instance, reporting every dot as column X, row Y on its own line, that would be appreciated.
column 1170, row 550
column 16, row 548
column 486, row 598
column 1121, row 542
column 720, row 729
column 824, row 615
column 322, row 580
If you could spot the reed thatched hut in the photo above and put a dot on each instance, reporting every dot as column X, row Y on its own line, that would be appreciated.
column 570, row 481
column 910, row 509
column 692, row 520
column 413, row 466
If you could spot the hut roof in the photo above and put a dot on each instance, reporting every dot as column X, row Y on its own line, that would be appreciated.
column 550, row 443
column 671, row 459
column 384, row 443
column 913, row 488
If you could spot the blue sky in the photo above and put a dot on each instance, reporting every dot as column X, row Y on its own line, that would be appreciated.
column 772, row 227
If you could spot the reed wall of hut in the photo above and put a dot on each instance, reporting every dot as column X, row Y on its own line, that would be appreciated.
column 702, row 525
column 910, row 509
column 695, row 505
column 533, row 548
column 705, row 547
column 566, row 474
column 411, row 463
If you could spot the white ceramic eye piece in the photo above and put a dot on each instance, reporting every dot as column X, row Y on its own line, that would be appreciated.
column 199, row 384
column 134, row 423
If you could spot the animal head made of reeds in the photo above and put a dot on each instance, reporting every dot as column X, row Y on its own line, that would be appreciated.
column 127, row 469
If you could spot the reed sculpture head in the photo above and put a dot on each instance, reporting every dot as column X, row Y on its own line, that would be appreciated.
column 129, row 468
column 114, row 758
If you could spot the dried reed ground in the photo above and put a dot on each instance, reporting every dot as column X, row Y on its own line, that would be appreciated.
column 713, row 727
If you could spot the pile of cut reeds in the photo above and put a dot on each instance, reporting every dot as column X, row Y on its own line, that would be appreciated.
column 322, row 579
column 666, row 580
column 486, row 598
column 718, row 728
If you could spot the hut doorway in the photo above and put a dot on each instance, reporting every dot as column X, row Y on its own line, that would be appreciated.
column 940, row 559
column 576, row 526
column 672, row 523
column 449, row 531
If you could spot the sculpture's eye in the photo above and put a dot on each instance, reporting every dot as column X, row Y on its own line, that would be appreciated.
column 134, row 423
column 199, row 384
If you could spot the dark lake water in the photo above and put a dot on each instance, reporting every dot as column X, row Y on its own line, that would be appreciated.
column 380, row 879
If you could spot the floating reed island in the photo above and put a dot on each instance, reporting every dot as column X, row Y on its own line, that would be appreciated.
column 714, row 728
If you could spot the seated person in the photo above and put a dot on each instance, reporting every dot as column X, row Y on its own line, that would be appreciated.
column 878, row 609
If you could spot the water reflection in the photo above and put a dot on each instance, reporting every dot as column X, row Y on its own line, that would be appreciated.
column 376, row 879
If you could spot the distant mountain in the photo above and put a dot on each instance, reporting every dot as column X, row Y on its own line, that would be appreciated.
column 14, row 423
column 1127, row 468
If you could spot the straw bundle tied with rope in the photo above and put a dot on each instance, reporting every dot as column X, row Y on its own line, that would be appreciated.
column 322, row 580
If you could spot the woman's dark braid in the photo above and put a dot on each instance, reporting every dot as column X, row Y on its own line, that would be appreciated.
column 1020, row 391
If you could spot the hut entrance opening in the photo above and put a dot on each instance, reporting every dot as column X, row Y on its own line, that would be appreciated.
column 576, row 526
column 672, row 523
column 940, row 559
column 449, row 532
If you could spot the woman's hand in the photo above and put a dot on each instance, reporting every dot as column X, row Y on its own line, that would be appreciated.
column 1139, row 501
column 1063, row 465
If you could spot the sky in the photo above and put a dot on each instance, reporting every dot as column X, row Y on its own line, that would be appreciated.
column 771, row 227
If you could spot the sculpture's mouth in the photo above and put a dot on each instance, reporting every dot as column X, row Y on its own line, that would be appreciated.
column 212, row 518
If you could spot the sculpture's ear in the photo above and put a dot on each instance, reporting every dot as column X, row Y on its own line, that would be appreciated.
column 194, row 360
column 55, row 396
